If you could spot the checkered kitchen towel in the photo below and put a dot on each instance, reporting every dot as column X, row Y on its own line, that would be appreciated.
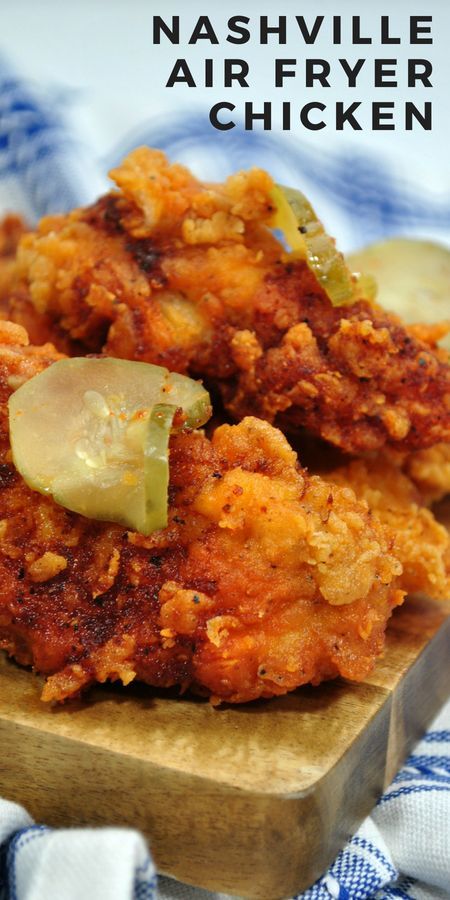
column 403, row 849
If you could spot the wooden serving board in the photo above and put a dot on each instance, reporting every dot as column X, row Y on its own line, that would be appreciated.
column 253, row 800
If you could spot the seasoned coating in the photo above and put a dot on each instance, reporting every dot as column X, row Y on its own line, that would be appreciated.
column 11, row 229
column 170, row 270
column 15, row 303
column 264, row 579
column 430, row 471
column 19, row 360
column 421, row 543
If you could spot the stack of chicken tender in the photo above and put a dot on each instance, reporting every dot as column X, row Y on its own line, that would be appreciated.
column 270, row 574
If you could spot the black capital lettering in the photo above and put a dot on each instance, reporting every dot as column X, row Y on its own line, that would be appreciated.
column 344, row 116
column 382, row 116
column 266, row 29
column 214, row 113
column 209, row 73
column 414, row 75
column 356, row 32
column 415, row 30
column 383, row 74
column 236, row 70
column 352, row 73
column 281, row 72
column 385, row 36
column 265, row 116
column 412, row 113
column 312, row 75
column 180, row 74
column 203, row 31
column 286, row 106
column 337, row 30
column 235, row 28
column 160, row 26
column 306, row 121
column 309, row 37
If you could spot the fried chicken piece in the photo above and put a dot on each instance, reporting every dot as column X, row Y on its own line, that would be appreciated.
column 11, row 229
column 15, row 303
column 421, row 543
column 20, row 360
column 430, row 471
column 172, row 271
column 264, row 579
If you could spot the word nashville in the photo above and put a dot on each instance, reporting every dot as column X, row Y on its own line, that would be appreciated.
column 305, row 73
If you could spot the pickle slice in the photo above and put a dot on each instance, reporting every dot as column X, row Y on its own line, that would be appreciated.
column 156, row 467
column 94, row 434
column 308, row 240
column 413, row 278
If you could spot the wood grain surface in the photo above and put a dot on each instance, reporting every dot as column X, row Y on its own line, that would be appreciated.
column 254, row 800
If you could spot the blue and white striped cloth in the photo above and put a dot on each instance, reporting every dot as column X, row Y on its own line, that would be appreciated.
column 403, row 849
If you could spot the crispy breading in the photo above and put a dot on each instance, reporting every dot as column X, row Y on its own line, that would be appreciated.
column 15, row 303
column 421, row 543
column 11, row 229
column 265, row 578
column 19, row 359
column 430, row 471
column 189, row 275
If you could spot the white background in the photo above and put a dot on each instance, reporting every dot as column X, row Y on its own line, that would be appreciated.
column 99, row 55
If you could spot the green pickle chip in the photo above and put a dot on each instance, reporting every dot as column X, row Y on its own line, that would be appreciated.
column 94, row 434
column 413, row 278
column 308, row 240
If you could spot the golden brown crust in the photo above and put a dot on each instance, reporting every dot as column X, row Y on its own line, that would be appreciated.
column 12, row 228
column 264, row 579
column 172, row 271
column 15, row 303
column 430, row 471
column 421, row 543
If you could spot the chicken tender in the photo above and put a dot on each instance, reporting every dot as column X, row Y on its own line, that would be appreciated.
column 11, row 229
column 189, row 275
column 430, row 471
column 421, row 543
column 264, row 579
column 15, row 303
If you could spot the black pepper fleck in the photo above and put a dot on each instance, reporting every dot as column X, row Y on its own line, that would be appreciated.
column 144, row 253
column 156, row 561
